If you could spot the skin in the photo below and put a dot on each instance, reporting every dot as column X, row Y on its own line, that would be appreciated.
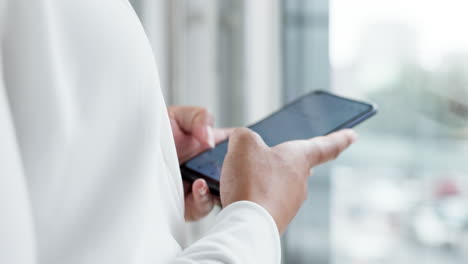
column 273, row 177
column 194, row 133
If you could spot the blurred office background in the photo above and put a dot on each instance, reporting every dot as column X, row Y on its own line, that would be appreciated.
column 400, row 195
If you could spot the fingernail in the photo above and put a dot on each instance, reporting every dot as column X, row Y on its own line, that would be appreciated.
column 203, row 191
column 210, row 135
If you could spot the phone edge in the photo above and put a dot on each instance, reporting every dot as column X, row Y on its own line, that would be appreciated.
column 191, row 175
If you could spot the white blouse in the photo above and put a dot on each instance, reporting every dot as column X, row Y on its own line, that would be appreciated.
column 88, row 168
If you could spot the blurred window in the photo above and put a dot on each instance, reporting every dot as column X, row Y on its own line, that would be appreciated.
column 305, row 46
column 400, row 196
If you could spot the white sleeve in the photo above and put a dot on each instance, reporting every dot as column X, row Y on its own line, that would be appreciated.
column 244, row 233
column 16, row 231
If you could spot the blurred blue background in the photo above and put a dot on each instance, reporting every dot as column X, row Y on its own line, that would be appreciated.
column 398, row 196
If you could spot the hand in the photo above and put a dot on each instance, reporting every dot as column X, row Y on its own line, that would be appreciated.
column 193, row 132
column 275, row 178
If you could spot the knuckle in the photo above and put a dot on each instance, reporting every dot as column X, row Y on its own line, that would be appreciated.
column 320, row 154
column 305, row 156
column 348, row 142
column 336, row 152
column 310, row 153
column 239, row 133
column 202, row 112
column 245, row 134
column 241, row 130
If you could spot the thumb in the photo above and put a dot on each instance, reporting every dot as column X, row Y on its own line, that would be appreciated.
column 319, row 150
column 322, row 149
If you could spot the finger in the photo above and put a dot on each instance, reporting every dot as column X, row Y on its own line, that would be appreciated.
column 319, row 150
column 244, row 137
column 322, row 149
column 203, row 201
column 196, row 121
column 222, row 134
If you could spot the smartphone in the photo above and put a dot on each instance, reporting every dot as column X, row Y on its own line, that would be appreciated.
column 315, row 114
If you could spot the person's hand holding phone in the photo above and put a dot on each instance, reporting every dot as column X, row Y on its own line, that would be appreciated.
column 193, row 131
column 276, row 177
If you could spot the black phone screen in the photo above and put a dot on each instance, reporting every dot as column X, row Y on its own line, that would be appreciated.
column 316, row 114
